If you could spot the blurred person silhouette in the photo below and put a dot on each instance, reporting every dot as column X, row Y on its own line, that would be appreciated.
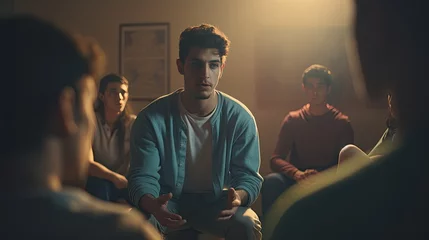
column 49, row 127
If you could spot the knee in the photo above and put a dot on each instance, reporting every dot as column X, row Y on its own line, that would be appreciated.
column 249, row 226
column 273, row 178
column 99, row 188
column 97, row 183
column 348, row 152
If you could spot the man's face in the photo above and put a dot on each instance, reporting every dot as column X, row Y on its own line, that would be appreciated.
column 202, row 70
column 115, row 97
column 77, row 146
column 316, row 90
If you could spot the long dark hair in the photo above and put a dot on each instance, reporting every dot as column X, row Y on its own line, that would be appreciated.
column 125, row 116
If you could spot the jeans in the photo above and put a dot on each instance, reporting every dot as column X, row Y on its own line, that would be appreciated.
column 273, row 186
column 105, row 190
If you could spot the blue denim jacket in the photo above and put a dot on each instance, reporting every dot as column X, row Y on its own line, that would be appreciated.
column 158, row 149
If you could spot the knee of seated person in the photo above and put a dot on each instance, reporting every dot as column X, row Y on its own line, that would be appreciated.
column 97, row 182
column 272, row 178
column 247, row 224
column 348, row 152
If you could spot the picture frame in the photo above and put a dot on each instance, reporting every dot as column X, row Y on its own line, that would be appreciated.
column 144, row 53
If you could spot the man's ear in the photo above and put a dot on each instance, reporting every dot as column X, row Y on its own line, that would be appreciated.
column 222, row 67
column 66, row 113
column 180, row 66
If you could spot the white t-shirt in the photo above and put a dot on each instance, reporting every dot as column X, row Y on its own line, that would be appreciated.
column 198, row 173
column 106, row 148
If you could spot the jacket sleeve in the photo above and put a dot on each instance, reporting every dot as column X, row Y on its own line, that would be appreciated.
column 246, row 160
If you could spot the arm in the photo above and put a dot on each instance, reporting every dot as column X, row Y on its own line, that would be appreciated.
column 98, row 170
column 244, row 197
column 124, row 168
column 245, row 162
column 144, row 175
column 278, row 161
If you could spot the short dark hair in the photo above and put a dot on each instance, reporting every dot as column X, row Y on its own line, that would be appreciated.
column 40, row 61
column 317, row 71
column 203, row 36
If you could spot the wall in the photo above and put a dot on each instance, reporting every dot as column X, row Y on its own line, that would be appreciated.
column 6, row 7
column 241, row 20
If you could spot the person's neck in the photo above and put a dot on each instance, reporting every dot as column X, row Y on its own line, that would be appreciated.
column 317, row 109
column 199, row 107
column 111, row 117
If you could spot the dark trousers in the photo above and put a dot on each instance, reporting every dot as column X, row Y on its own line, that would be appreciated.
column 273, row 186
column 105, row 190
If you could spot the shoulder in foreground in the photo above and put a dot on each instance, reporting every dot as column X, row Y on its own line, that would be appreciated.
column 132, row 225
column 234, row 105
column 306, row 207
column 118, row 220
column 338, row 115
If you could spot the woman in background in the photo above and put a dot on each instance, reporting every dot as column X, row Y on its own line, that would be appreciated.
column 111, row 144
column 386, row 143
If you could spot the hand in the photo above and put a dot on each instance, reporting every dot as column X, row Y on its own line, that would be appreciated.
column 233, row 202
column 163, row 215
column 310, row 172
column 299, row 176
column 119, row 181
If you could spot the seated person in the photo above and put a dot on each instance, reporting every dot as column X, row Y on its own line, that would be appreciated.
column 111, row 144
column 49, row 129
column 387, row 198
column 190, row 145
column 384, row 145
column 312, row 137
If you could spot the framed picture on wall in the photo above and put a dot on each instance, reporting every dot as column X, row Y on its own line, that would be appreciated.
column 144, row 59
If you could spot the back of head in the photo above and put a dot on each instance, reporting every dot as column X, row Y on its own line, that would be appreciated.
column 203, row 36
column 393, row 47
column 38, row 62
column 317, row 71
